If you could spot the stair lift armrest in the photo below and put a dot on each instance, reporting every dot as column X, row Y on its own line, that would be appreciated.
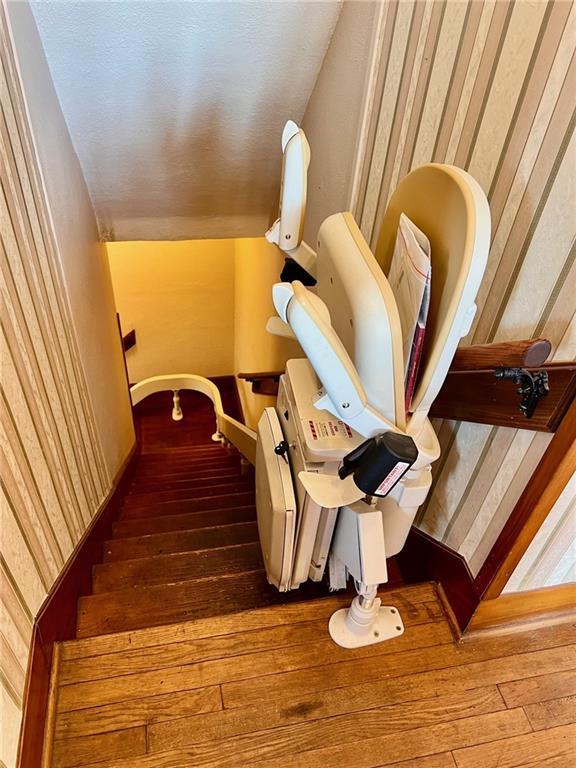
column 343, row 394
column 287, row 230
column 309, row 319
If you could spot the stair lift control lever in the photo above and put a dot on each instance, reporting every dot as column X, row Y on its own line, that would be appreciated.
column 380, row 462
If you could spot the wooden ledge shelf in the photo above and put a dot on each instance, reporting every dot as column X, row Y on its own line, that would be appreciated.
column 479, row 397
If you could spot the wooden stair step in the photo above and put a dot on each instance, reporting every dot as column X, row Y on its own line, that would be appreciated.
column 186, row 451
column 219, row 489
column 152, row 606
column 182, row 473
column 173, row 464
column 177, row 567
column 145, row 476
column 198, row 504
column 185, row 522
column 190, row 483
column 166, row 458
column 179, row 541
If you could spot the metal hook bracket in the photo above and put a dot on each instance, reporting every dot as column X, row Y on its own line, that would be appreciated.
column 533, row 386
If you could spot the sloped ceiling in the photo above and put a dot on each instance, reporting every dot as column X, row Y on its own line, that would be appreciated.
column 176, row 108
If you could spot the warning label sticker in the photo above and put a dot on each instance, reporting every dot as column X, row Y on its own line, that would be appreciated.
column 391, row 479
column 321, row 430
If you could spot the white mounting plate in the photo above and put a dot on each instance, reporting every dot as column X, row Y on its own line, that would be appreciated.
column 387, row 625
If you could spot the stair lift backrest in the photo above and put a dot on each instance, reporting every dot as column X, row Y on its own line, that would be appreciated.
column 363, row 313
column 449, row 206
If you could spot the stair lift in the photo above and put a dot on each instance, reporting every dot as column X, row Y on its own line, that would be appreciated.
column 341, row 467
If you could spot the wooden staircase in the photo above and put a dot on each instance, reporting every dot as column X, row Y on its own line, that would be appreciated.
column 185, row 545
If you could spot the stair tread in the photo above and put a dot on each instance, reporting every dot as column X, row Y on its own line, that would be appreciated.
column 154, row 605
column 183, row 474
column 186, row 494
column 179, row 541
column 198, row 504
column 183, row 522
column 198, row 449
column 189, row 483
column 177, row 567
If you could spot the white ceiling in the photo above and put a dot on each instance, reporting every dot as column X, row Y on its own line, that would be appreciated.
column 176, row 108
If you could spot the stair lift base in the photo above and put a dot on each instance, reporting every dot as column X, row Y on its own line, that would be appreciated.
column 366, row 622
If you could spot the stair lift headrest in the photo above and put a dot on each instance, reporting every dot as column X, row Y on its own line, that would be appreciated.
column 450, row 207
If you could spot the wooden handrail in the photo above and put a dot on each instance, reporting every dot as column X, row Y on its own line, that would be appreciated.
column 531, row 353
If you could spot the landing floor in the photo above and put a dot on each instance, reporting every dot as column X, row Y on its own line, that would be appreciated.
column 268, row 688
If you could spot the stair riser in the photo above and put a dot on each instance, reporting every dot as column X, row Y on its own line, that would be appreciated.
column 220, row 489
column 186, row 522
column 203, row 504
column 179, row 541
column 176, row 567
column 151, row 606
column 169, row 466
column 176, row 466
column 163, row 604
column 192, row 483
column 186, row 455
column 187, row 474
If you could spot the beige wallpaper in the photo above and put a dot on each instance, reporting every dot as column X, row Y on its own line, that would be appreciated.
column 55, row 470
column 488, row 86
column 551, row 557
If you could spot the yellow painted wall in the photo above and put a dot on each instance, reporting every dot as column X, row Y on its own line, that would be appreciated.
column 179, row 297
column 201, row 306
column 257, row 267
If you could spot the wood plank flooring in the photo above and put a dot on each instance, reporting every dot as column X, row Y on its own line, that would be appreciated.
column 186, row 658
column 268, row 688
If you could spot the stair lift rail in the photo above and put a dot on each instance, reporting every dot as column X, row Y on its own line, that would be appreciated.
column 227, row 428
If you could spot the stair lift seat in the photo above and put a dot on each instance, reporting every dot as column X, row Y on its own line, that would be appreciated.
column 350, row 387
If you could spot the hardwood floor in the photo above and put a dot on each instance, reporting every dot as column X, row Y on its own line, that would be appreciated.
column 267, row 687
column 185, row 657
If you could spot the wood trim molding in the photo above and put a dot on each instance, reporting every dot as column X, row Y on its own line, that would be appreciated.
column 56, row 619
column 541, row 493
column 425, row 559
column 519, row 611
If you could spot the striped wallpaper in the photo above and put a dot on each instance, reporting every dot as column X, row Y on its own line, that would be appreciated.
column 53, row 471
column 551, row 557
column 488, row 86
